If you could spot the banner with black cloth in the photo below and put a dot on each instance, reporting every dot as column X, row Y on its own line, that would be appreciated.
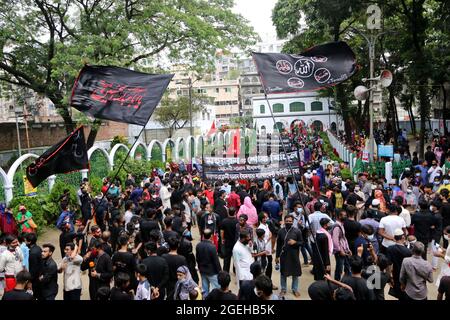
column 70, row 154
column 118, row 94
column 319, row 67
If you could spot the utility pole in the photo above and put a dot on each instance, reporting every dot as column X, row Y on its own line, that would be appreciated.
column 191, row 128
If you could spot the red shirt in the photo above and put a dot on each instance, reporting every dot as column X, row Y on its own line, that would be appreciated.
column 234, row 201
column 316, row 182
column 210, row 196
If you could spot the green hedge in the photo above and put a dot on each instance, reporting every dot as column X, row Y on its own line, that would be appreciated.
column 328, row 148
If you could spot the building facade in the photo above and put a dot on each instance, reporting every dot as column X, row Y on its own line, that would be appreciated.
column 287, row 109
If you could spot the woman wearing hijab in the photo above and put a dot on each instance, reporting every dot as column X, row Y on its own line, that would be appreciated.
column 185, row 286
column 249, row 209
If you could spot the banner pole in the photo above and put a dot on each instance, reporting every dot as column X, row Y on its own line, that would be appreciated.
column 295, row 179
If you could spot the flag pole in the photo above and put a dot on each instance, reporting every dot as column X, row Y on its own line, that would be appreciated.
column 296, row 183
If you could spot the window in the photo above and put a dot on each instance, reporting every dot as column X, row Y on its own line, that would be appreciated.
column 296, row 107
column 261, row 90
column 247, row 102
column 209, row 116
column 246, row 79
column 278, row 107
column 262, row 109
column 217, row 90
column 316, row 106
column 228, row 90
column 255, row 79
column 201, row 91
column 203, row 115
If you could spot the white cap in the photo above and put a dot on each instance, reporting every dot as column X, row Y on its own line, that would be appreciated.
column 314, row 171
column 398, row 232
column 375, row 202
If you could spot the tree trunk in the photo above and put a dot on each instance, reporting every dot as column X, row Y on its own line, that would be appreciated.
column 93, row 133
column 64, row 112
column 444, row 111
column 424, row 109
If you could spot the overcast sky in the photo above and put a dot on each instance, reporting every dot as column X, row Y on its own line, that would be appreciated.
column 259, row 13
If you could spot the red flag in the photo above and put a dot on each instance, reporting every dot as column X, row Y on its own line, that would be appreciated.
column 213, row 129
column 235, row 147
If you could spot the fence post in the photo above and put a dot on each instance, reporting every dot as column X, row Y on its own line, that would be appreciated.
column 8, row 192
column 51, row 182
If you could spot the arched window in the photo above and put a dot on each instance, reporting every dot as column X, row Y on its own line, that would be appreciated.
column 247, row 102
column 278, row 108
column 296, row 107
column 278, row 126
column 316, row 106
column 246, row 79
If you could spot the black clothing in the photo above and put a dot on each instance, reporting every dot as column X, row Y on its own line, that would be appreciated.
column 167, row 234
column 352, row 229
column 353, row 198
column 321, row 290
column 185, row 249
column 126, row 263
column 323, row 250
column 228, row 225
column 157, row 273
column 444, row 287
column 119, row 295
column 219, row 295
column 247, row 290
column 207, row 258
column 359, row 287
column 86, row 208
column 16, row 294
column 72, row 295
column 396, row 254
column 49, row 282
column 220, row 207
column 174, row 262
column 103, row 265
column 177, row 225
column 429, row 157
column 289, row 254
column 423, row 221
column 242, row 194
column 383, row 279
column 35, row 265
column 209, row 221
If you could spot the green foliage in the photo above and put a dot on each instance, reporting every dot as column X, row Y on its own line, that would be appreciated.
column 46, row 43
column 96, row 184
column 140, row 169
column 328, row 148
column 346, row 174
column 120, row 139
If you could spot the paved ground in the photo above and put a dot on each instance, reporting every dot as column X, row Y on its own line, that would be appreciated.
column 52, row 236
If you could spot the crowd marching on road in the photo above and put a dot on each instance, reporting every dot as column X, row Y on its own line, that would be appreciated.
column 135, row 239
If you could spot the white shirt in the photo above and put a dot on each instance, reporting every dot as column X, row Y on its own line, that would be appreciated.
column 11, row 262
column 267, row 237
column 314, row 220
column 242, row 258
column 405, row 214
column 72, row 274
column 433, row 172
column 143, row 291
column 389, row 224
column 165, row 195
column 128, row 215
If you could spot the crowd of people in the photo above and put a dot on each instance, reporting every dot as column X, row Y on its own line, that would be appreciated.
column 135, row 238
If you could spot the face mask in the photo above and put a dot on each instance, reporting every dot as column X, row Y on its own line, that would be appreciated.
column 409, row 191
column 300, row 210
column 417, row 174
column 446, row 237
column 446, row 181
column 412, row 242
column 370, row 237
column 288, row 225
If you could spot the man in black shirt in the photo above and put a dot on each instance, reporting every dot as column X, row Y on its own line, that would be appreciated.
column 174, row 261
column 48, row 280
column 222, row 293
column 208, row 262
column 157, row 269
column 247, row 287
column 444, row 289
column 168, row 232
column 23, row 280
column 424, row 223
column 228, row 236
column 220, row 206
column 352, row 228
column 119, row 291
column 34, row 263
column 209, row 220
column 100, row 268
column 356, row 282
column 429, row 155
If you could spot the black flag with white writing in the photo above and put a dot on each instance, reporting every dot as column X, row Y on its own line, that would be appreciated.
column 70, row 154
column 317, row 68
column 118, row 94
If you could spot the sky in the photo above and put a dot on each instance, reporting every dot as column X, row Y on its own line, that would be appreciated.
column 259, row 14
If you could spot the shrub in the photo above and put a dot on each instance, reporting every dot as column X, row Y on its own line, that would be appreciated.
column 34, row 205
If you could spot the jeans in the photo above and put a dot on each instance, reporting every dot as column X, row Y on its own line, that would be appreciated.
column 207, row 281
column 341, row 263
column 72, row 295
column 284, row 283
column 306, row 249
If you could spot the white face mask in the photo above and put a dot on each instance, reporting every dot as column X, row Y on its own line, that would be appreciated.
column 300, row 210
column 446, row 181
column 446, row 237
column 370, row 237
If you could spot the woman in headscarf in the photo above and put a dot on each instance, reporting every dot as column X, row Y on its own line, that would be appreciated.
column 379, row 196
column 249, row 209
column 185, row 285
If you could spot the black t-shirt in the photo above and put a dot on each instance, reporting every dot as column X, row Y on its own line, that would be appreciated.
column 422, row 222
column 219, row 295
column 444, row 287
column 321, row 291
column 117, row 294
column 352, row 229
column 228, row 225
column 124, row 262
column 170, row 234
column 17, row 295
column 247, row 291
column 383, row 278
column 359, row 287
column 445, row 212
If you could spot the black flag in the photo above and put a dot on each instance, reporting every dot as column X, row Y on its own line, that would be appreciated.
column 319, row 67
column 70, row 154
column 118, row 94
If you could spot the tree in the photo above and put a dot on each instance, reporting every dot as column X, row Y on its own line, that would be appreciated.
column 45, row 43
column 174, row 114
